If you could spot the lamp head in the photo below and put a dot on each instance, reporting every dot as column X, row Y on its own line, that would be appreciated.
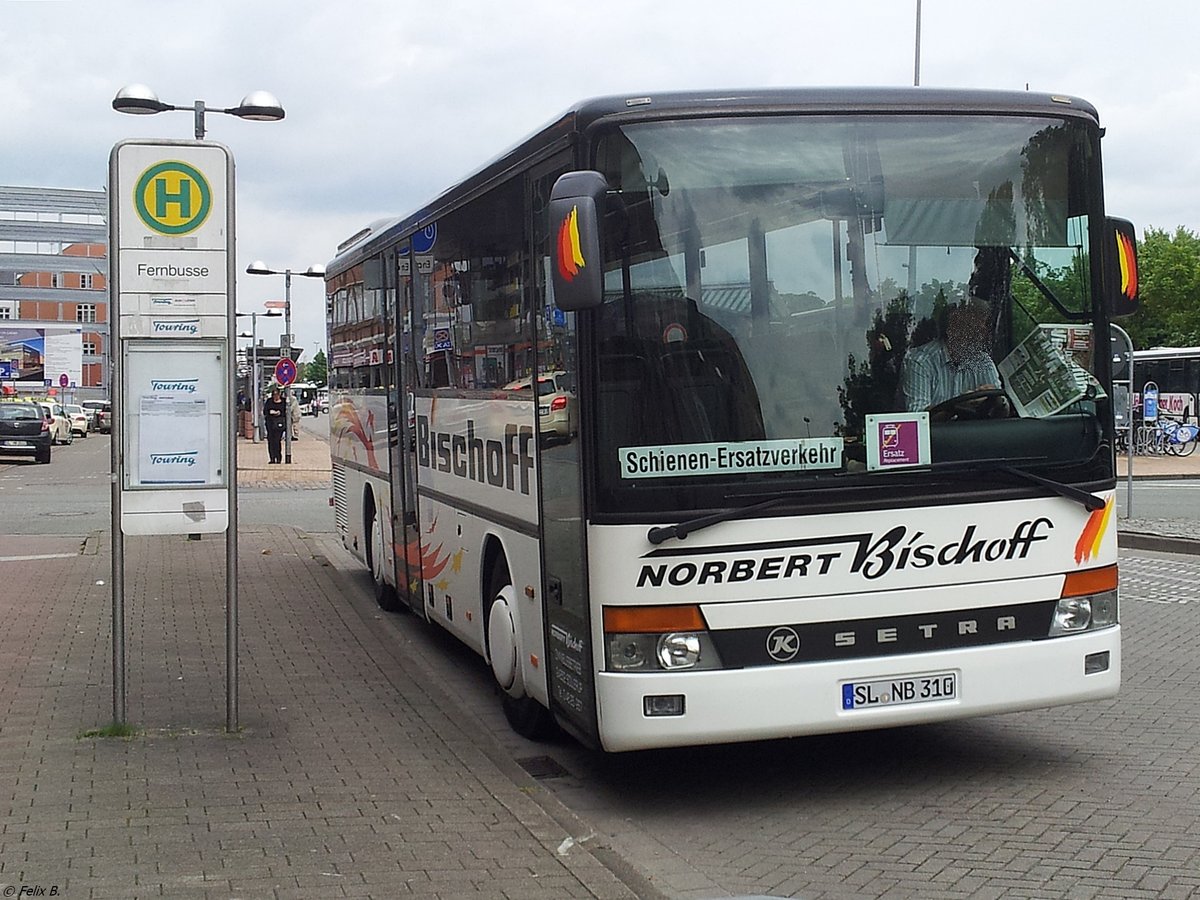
column 139, row 100
column 258, row 267
column 258, row 106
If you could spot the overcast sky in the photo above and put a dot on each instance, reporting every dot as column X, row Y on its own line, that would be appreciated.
column 390, row 102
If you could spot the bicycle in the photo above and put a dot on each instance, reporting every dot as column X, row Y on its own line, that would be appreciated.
column 1167, row 437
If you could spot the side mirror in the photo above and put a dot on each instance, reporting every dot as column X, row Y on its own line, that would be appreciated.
column 1121, row 281
column 576, row 209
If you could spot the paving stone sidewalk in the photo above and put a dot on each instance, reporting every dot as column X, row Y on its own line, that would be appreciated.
column 348, row 777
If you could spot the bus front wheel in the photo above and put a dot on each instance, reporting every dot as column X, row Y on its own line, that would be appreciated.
column 525, row 715
column 385, row 594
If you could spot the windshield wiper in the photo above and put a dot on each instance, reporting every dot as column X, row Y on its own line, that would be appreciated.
column 1090, row 501
column 660, row 533
column 1009, row 467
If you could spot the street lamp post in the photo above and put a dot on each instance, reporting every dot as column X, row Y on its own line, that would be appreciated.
column 255, row 387
column 139, row 100
column 258, row 267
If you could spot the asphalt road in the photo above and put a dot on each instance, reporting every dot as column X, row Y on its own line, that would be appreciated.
column 73, row 495
column 1094, row 800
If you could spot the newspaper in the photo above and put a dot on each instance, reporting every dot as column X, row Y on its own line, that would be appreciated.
column 1050, row 370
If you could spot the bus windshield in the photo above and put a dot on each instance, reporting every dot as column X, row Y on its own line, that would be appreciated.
column 793, row 300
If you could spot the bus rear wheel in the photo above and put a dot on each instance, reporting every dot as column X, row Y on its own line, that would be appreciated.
column 525, row 715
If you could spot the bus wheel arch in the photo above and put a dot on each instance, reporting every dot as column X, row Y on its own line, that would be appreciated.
column 376, row 552
column 504, row 650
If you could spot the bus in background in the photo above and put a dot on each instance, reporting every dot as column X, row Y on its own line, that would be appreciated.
column 754, row 528
column 1176, row 371
column 311, row 397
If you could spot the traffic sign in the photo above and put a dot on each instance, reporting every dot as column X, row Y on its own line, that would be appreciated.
column 64, row 379
column 275, row 304
column 285, row 372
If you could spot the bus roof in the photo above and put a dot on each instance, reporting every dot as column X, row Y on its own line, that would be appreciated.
column 765, row 101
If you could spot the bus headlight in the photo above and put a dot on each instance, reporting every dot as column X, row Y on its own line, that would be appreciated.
column 1071, row 615
column 679, row 651
column 657, row 639
column 1075, row 614
column 674, row 652
column 629, row 652
column 1088, row 602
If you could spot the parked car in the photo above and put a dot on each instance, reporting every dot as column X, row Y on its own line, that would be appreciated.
column 558, row 414
column 60, row 425
column 24, row 431
column 102, row 414
column 80, row 423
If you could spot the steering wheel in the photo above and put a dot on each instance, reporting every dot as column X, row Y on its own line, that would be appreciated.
column 987, row 403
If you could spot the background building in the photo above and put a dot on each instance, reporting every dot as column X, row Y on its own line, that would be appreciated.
column 54, row 282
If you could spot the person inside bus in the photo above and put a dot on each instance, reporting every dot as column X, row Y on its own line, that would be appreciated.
column 958, row 363
column 275, row 415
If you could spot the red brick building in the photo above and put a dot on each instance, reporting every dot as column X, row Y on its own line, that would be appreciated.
column 54, row 270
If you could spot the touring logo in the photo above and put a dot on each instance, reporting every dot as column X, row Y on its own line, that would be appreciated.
column 186, row 459
column 869, row 555
column 186, row 327
column 172, row 198
column 175, row 386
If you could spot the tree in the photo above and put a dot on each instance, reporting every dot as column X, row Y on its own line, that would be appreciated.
column 317, row 371
column 1169, row 280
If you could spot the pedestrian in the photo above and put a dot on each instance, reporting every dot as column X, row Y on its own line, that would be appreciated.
column 275, row 414
column 294, row 410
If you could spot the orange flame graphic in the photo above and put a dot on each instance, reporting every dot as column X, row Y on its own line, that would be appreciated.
column 1094, row 529
column 570, row 255
column 1128, row 260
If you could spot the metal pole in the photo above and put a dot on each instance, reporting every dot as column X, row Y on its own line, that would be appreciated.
column 1130, row 442
column 116, row 432
column 1129, row 458
column 917, row 53
column 286, row 349
column 231, row 531
column 199, row 107
column 912, row 250
column 254, row 390
column 116, row 394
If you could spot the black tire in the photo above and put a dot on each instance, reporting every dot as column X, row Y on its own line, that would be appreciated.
column 43, row 458
column 385, row 594
column 525, row 715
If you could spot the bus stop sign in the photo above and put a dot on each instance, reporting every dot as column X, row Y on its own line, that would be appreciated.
column 285, row 372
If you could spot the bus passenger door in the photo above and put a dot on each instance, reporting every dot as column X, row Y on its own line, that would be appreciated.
column 404, row 482
column 570, row 667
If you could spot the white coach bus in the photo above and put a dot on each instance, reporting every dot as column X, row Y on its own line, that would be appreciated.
column 844, row 450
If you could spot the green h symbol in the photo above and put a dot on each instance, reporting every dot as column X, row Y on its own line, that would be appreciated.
column 182, row 197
